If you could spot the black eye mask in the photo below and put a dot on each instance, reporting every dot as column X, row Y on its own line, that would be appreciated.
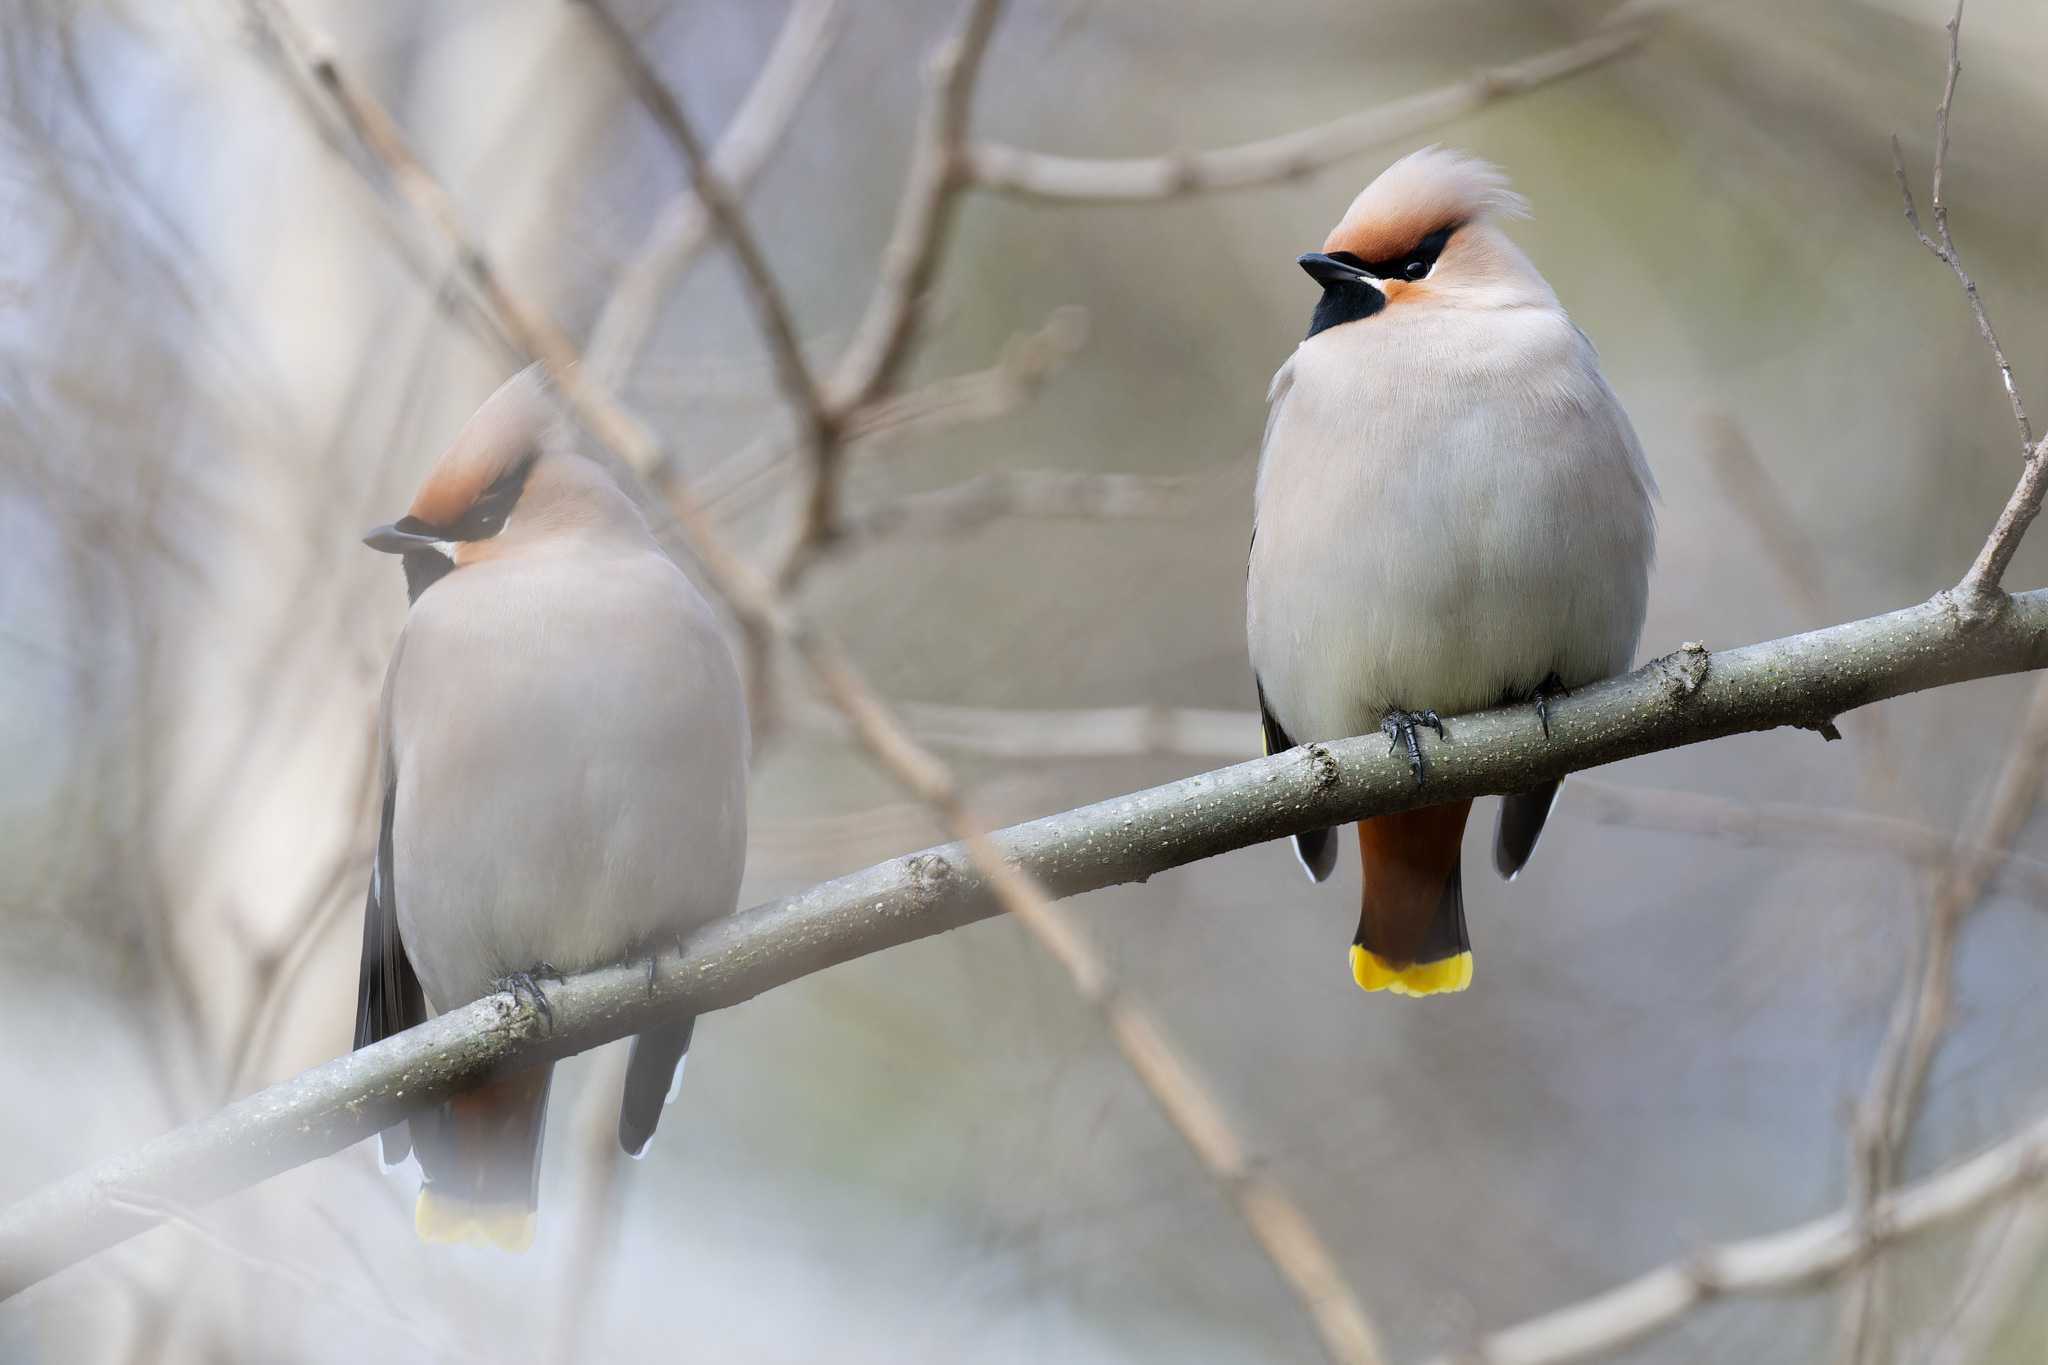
column 485, row 517
column 493, row 507
column 1411, row 265
column 1346, row 298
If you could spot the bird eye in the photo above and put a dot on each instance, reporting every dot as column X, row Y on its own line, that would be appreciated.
column 1416, row 268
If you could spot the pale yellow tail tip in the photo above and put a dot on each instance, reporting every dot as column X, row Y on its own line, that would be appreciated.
column 1442, row 977
column 437, row 1219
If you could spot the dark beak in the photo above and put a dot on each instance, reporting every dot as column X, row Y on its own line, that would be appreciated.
column 1329, row 273
column 407, row 533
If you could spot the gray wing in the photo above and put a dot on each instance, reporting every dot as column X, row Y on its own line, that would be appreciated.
column 1318, row 848
column 388, row 995
column 1521, row 821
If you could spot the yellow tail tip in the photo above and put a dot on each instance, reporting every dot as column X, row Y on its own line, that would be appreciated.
column 450, row 1221
column 1441, row 977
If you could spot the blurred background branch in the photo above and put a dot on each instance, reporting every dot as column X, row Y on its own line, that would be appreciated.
column 205, row 390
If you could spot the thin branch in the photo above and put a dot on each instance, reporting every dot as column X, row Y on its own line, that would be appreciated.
column 1892, row 1097
column 1747, row 483
column 1884, row 1119
column 428, row 271
column 1801, row 569
column 1947, row 250
column 1097, row 732
column 1027, row 362
column 881, row 346
column 317, row 1288
column 1004, row 169
column 1281, row 1228
column 598, row 1205
column 1037, row 493
column 683, row 227
column 1797, row 1259
column 882, row 343
column 1682, row 698
column 2005, row 1277
column 1980, row 586
column 817, row 418
column 1802, row 827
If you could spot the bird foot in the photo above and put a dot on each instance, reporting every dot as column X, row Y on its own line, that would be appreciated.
column 526, row 986
column 1547, row 691
column 1400, row 726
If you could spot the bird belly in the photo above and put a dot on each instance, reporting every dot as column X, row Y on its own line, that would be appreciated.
column 1446, row 559
column 587, row 816
column 574, row 865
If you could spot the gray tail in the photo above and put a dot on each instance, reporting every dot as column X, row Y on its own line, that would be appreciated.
column 1521, row 821
column 653, row 1069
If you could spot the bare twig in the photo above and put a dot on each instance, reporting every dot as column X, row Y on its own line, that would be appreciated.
column 315, row 1287
column 1979, row 589
column 1682, row 698
column 1797, row 1259
column 684, row 226
column 1101, row 732
column 1071, row 179
column 1981, row 585
column 1027, row 362
column 597, row 1207
column 1298, row 1256
column 430, row 272
column 1798, row 826
column 1680, row 681
column 817, row 418
column 1941, row 244
column 1884, row 1119
column 1891, row 1102
column 1747, row 483
column 2006, row 1274
column 1038, row 493
column 890, row 324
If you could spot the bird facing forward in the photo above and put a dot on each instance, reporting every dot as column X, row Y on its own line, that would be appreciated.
column 1452, row 512
column 564, row 760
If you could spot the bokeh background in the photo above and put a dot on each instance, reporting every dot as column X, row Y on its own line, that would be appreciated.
column 222, row 355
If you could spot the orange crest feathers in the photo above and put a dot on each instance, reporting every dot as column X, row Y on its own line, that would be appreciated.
column 1423, row 191
column 513, row 424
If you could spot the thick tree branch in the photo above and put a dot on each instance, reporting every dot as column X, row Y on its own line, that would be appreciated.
column 1682, row 698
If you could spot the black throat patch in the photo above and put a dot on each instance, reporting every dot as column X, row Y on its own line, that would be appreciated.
column 1342, row 303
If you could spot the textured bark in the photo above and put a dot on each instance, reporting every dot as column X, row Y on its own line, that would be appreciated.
column 1683, row 698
